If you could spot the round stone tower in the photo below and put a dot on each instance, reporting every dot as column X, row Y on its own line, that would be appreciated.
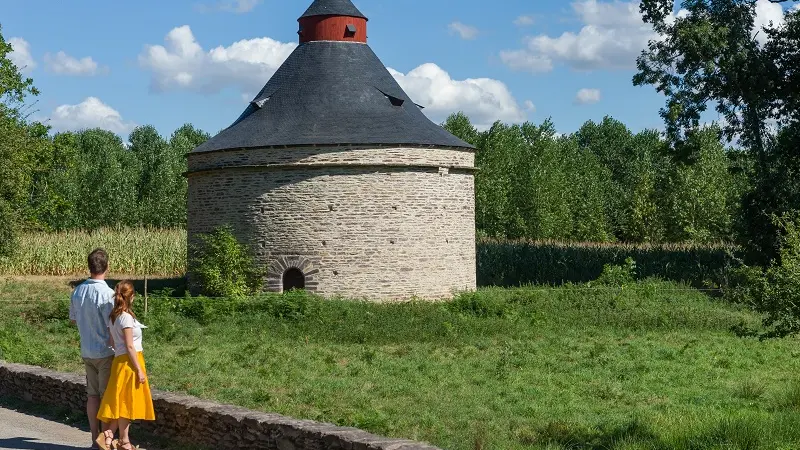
column 336, row 178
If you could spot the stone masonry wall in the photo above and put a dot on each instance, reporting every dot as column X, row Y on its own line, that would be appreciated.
column 332, row 155
column 366, row 232
column 189, row 420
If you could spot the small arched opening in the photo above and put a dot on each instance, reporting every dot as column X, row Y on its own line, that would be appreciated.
column 293, row 278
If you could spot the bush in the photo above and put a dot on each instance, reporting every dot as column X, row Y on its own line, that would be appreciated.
column 618, row 275
column 221, row 266
column 479, row 304
column 776, row 291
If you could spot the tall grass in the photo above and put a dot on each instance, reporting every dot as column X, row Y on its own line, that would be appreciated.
column 132, row 251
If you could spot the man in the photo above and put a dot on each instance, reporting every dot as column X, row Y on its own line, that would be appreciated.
column 90, row 307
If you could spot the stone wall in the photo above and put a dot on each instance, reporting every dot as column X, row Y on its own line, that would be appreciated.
column 189, row 420
column 403, row 228
column 333, row 155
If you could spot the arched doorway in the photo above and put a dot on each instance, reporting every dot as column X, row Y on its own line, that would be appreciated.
column 293, row 278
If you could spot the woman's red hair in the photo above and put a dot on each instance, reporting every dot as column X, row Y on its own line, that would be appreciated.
column 123, row 298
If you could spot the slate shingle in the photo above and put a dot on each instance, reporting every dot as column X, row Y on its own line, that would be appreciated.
column 333, row 8
column 331, row 93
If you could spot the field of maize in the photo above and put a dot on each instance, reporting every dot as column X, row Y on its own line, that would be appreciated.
column 132, row 252
column 162, row 253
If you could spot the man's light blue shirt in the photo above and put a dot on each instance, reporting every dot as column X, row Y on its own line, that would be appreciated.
column 90, row 306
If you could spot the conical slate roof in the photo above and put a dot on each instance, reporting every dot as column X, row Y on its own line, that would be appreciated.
column 330, row 92
column 333, row 8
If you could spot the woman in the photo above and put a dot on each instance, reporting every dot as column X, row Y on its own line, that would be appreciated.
column 127, row 396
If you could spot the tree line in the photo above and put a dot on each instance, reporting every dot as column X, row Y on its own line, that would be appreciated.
column 602, row 183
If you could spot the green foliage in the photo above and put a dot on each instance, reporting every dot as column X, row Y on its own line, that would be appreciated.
column 221, row 266
column 290, row 306
column 618, row 275
column 776, row 192
column 515, row 263
column 8, row 234
column 14, row 88
column 701, row 201
column 19, row 142
column 776, row 292
column 601, row 184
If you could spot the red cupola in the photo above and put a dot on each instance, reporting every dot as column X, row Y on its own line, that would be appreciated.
column 333, row 20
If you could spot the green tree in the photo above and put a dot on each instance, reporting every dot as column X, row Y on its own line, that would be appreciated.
column 54, row 189
column 714, row 55
column 698, row 194
column 460, row 126
column 493, row 181
column 106, row 181
column 634, row 163
column 18, row 142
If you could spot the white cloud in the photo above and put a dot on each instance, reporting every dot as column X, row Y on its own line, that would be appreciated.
column 484, row 100
column 612, row 36
column 91, row 113
column 63, row 64
column 183, row 64
column 587, row 96
column 21, row 55
column 529, row 106
column 233, row 6
column 523, row 21
column 768, row 15
column 465, row 31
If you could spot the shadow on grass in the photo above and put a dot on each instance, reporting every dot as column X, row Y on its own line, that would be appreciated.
column 177, row 285
column 734, row 433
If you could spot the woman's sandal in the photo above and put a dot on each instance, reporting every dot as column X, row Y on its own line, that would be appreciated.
column 127, row 445
column 106, row 441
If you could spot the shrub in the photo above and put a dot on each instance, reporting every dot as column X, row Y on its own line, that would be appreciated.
column 221, row 266
column 776, row 291
column 479, row 304
column 618, row 275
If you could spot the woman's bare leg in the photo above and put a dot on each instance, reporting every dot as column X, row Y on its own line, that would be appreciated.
column 124, row 427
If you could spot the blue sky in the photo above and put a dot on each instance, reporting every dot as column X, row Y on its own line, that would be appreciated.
column 165, row 63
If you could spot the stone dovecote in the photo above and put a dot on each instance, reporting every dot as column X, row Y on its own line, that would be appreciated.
column 337, row 180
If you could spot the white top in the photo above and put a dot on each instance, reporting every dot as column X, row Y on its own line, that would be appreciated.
column 124, row 321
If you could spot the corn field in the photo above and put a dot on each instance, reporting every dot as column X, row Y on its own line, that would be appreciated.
column 514, row 263
column 162, row 253
column 132, row 251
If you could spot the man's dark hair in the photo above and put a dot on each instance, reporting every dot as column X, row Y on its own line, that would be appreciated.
column 98, row 262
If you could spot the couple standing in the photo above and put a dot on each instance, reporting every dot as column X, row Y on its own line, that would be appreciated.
column 111, row 347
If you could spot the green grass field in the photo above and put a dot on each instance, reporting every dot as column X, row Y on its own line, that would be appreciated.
column 645, row 367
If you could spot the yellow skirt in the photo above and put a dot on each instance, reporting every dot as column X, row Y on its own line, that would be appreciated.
column 125, row 397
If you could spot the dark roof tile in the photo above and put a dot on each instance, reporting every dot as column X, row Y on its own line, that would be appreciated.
column 333, row 8
column 331, row 93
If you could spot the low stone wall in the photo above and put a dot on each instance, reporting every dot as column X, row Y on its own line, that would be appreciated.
column 188, row 419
